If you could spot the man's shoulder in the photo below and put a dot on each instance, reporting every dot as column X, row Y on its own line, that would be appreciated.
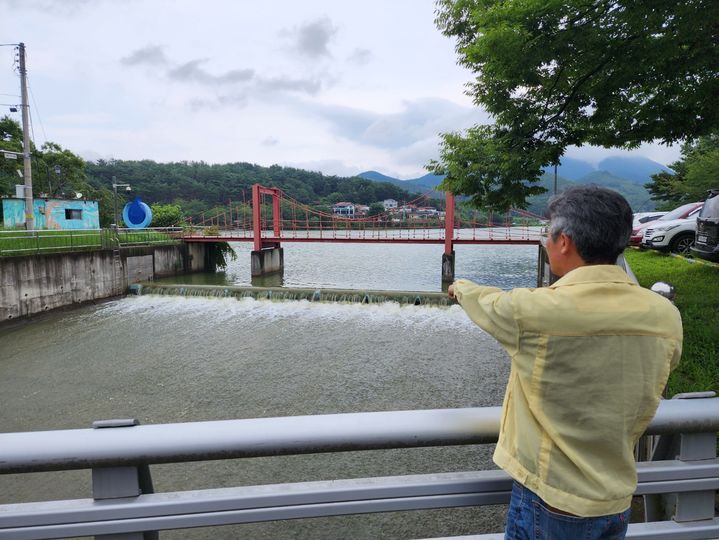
column 609, row 304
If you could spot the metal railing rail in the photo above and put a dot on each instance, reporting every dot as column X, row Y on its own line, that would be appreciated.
column 118, row 453
column 21, row 242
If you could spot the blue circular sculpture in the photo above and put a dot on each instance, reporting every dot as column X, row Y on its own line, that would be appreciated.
column 136, row 214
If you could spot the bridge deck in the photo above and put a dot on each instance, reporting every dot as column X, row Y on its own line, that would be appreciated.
column 345, row 240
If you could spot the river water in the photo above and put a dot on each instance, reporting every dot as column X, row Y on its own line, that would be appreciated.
column 175, row 359
column 380, row 266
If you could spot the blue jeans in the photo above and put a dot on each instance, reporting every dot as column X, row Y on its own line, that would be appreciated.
column 529, row 519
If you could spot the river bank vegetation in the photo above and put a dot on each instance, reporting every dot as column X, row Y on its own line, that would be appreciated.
column 21, row 242
column 694, row 174
column 697, row 298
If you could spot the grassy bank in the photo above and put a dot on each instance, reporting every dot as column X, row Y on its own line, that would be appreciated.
column 18, row 242
column 697, row 288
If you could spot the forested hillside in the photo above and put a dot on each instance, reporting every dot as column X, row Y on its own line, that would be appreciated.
column 637, row 196
column 199, row 187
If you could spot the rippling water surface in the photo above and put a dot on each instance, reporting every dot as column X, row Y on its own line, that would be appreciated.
column 175, row 359
column 409, row 267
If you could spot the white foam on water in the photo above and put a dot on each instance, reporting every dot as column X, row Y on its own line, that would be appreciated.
column 228, row 309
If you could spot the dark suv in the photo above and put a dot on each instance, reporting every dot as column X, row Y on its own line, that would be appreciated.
column 706, row 244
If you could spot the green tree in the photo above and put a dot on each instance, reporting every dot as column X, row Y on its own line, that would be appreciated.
column 58, row 172
column 490, row 166
column 376, row 209
column 166, row 215
column 558, row 73
column 694, row 174
column 10, row 139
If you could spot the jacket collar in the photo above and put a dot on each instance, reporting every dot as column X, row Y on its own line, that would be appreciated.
column 594, row 273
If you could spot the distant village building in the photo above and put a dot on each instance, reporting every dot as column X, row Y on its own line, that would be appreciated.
column 344, row 209
column 51, row 213
column 407, row 209
column 389, row 204
column 361, row 209
column 427, row 211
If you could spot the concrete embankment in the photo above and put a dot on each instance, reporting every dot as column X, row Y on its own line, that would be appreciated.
column 36, row 283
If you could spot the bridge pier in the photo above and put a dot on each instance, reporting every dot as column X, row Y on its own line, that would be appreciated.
column 267, row 260
column 448, row 255
column 448, row 267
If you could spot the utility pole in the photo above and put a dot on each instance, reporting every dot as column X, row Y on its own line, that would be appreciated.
column 27, row 170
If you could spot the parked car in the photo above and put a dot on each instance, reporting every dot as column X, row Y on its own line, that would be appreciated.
column 646, row 217
column 706, row 245
column 676, row 235
column 678, row 213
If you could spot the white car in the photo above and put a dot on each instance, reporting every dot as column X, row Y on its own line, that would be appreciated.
column 644, row 217
column 676, row 236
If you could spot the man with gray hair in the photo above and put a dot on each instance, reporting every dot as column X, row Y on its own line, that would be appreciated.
column 590, row 356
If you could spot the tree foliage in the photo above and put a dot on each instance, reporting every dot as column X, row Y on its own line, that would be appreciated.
column 198, row 187
column 10, row 139
column 375, row 209
column 694, row 174
column 166, row 215
column 569, row 72
column 490, row 166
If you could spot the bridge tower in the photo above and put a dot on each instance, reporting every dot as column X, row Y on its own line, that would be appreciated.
column 267, row 256
column 448, row 255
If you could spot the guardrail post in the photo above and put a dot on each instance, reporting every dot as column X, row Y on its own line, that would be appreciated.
column 690, row 506
column 696, row 505
column 121, row 482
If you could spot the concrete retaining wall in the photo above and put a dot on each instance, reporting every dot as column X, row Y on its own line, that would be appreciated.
column 36, row 283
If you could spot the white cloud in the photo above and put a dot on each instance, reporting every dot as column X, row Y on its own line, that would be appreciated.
column 312, row 39
column 326, row 166
column 360, row 57
column 193, row 72
column 152, row 55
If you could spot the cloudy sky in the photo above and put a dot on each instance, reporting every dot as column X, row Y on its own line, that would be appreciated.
column 334, row 86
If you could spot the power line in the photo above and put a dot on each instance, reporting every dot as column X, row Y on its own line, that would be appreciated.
column 32, row 125
column 37, row 110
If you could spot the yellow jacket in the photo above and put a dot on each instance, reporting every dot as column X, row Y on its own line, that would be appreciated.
column 590, row 355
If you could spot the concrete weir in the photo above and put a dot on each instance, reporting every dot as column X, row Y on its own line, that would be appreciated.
column 416, row 298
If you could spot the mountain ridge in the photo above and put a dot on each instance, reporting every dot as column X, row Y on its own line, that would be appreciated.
column 576, row 171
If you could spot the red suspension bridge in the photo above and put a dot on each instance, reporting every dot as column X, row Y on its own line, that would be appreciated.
column 273, row 217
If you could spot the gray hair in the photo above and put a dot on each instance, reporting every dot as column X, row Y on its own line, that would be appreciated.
column 597, row 219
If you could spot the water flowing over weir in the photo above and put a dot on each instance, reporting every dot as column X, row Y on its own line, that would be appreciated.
column 415, row 298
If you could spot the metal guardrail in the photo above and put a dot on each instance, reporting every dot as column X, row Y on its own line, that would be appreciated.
column 119, row 452
column 21, row 242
